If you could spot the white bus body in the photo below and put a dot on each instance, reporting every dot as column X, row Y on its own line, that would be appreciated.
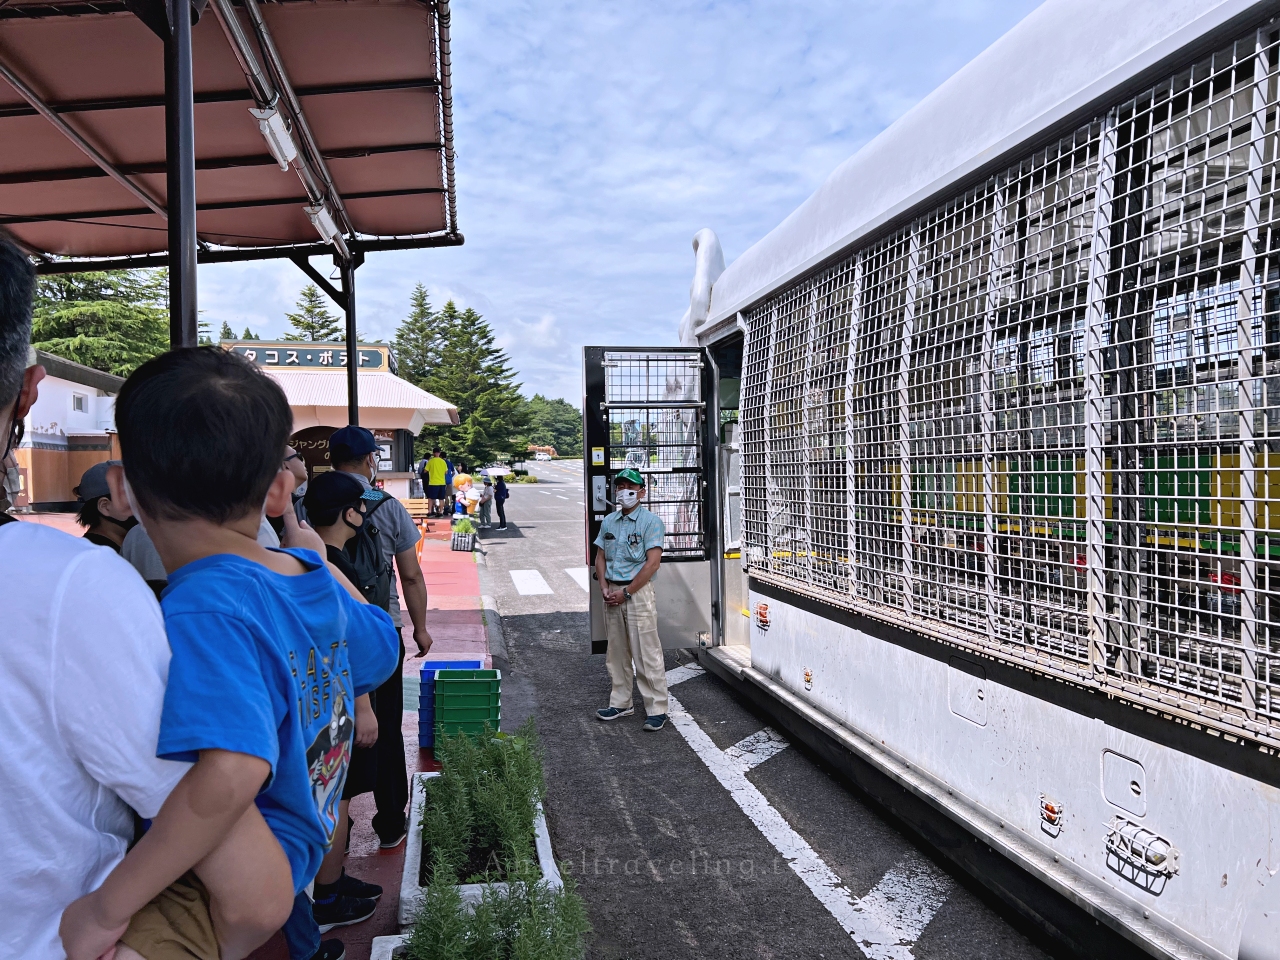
column 1000, row 513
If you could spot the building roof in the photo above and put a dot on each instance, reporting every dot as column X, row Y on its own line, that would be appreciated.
column 78, row 373
column 319, row 398
column 1039, row 78
column 371, row 79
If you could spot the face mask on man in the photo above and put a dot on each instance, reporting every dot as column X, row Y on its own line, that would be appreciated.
column 628, row 498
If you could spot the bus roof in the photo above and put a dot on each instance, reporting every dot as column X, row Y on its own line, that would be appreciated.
column 1040, row 78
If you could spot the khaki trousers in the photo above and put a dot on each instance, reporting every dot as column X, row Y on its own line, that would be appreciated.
column 635, row 652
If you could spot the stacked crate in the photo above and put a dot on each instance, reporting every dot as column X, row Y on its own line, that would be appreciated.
column 467, row 700
column 427, row 695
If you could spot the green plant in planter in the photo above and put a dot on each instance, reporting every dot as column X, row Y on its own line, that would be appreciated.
column 523, row 920
column 478, row 815
column 465, row 525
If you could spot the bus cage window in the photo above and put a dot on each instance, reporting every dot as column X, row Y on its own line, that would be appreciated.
column 1042, row 421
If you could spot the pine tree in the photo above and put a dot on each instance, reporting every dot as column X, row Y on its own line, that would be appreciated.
column 418, row 340
column 226, row 333
column 250, row 335
column 109, row 321
column 312, row 322
column 475, row 376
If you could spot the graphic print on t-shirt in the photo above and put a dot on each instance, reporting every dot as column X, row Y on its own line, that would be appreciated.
column 327, row 761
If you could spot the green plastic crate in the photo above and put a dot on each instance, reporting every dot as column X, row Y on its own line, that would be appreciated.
column 478, row 714
column 466, row 700
column 462, row 726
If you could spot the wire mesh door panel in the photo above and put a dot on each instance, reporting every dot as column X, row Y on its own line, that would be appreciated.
column 656, row 423
column 1042, row 420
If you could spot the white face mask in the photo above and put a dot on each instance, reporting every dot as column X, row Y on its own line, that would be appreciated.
column 628, row 498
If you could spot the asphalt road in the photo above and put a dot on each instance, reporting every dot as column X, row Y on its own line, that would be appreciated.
column 671, row 866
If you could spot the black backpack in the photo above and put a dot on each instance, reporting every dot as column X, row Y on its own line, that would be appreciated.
column 373, row 569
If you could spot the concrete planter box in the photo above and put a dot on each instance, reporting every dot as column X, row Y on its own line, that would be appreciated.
column 413, row 894
column 387, row 948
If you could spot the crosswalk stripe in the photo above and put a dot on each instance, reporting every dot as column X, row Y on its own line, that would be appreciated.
column 529, row 582
column 581, row 576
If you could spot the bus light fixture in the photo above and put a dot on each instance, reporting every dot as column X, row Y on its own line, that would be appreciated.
column 275, row 131
column 322, row 220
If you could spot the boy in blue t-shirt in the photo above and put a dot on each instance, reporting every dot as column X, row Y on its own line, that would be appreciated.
column 270, row 649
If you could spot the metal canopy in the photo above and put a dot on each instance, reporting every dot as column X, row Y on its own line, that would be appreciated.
column 287, row 129
column 361, row 89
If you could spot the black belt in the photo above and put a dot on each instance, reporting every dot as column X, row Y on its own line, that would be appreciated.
column 618, row 583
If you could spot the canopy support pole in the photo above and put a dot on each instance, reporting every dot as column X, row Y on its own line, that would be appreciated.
column 348, row 269
column 180, row 176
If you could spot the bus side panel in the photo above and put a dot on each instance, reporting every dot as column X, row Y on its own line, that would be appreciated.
column 1003, row 750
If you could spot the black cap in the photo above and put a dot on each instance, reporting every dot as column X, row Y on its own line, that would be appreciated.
column 351, row 443
column 332, row 490
column 94, row 482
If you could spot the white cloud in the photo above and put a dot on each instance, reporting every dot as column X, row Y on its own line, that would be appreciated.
column 595, row 139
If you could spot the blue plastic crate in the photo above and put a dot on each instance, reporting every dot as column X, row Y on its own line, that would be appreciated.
column 427, row 695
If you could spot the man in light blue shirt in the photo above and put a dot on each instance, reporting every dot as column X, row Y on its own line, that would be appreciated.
column 628, row 555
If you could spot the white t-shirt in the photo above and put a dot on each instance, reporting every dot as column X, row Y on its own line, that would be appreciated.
column 83, row 667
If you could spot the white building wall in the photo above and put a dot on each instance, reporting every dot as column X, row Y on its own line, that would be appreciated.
column 54, row 414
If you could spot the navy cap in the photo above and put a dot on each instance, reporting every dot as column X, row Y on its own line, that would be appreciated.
column 350, row 443
column 94, row 482
column 331, row 490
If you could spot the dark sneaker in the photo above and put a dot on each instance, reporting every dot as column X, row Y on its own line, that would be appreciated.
column 347, row 885
column 654, row 724
column 613, row 713
column 341, row 911
column 394, row 841
column 331, row 950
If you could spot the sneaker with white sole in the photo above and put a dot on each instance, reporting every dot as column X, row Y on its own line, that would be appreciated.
column 613, row 713
column 331, row 950
column 341, row 911
column 654, row 724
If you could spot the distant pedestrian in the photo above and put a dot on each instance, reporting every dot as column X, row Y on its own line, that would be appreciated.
column 500, row 494
column 106, row 523
column 629, row 552
column 436, row 470
column 485, row 503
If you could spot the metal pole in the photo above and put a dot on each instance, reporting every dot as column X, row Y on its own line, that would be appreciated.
column 353, row 348
column 1095, row 406
column 1249, row 299
column 180, row 177
column 995, row 281
column 905, row 505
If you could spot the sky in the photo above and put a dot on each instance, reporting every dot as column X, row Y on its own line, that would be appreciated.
column 595, row 137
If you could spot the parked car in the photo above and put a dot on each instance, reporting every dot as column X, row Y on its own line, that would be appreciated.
column 542, row 456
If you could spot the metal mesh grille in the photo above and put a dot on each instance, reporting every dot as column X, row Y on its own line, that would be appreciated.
column 655, row 427
column 1056, row 436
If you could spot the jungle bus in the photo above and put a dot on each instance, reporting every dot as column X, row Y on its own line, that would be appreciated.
column 971, row 472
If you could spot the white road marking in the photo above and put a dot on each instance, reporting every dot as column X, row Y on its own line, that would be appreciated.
column 581, row 576
column 558, row 497
column 529, row 582
column 683, row 673
column 886, row 922
column 756, row 749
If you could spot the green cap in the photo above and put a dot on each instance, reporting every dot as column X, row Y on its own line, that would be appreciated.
column 631, row 475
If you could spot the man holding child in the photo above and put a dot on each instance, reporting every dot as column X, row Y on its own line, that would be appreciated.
column 233, row 738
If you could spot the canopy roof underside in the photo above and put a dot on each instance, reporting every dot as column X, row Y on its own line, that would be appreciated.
column 367, row 75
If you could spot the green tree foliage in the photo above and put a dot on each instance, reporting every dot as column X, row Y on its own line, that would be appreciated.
column 227, row 333
column 419, row 340
column 554, row 423
column 113, row 322
column 474, row 375
column 312, row 322
column 250, row 335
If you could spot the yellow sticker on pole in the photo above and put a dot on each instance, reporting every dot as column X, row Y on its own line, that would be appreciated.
column 597, row 456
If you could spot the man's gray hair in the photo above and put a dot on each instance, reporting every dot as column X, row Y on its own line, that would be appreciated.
column 17, row 290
